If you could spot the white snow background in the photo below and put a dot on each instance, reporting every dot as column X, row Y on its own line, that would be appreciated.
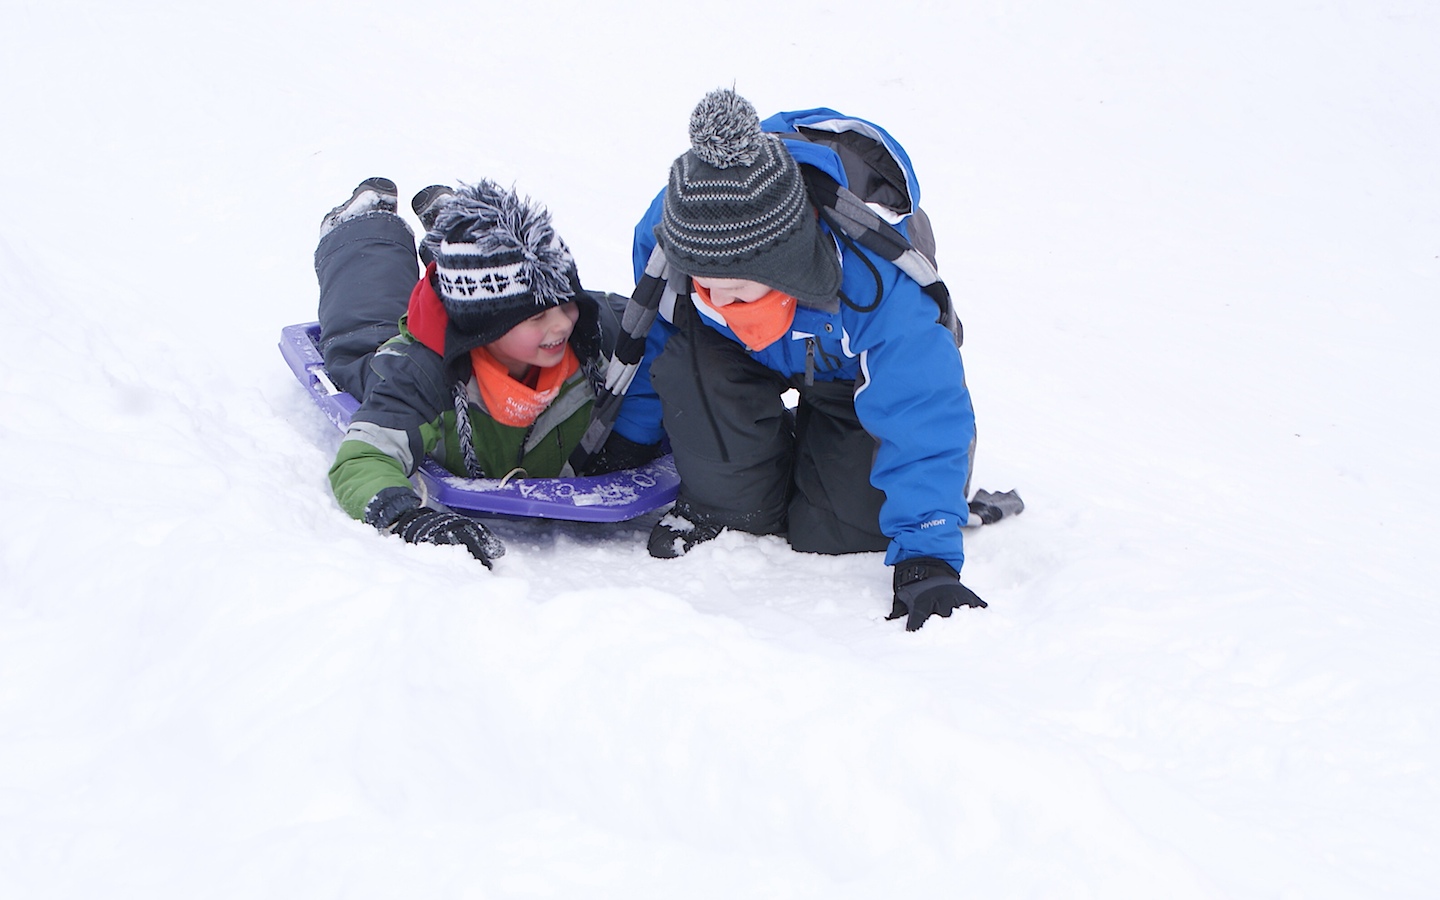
column 1196, row 248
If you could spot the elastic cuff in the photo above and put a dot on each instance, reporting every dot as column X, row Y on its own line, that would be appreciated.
column 375, row 225
column 388, row 505
column 919, row 568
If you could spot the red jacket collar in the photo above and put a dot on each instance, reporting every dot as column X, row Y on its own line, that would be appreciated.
column 426, row 317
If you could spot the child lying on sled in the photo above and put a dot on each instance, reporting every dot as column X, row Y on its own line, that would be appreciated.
column 489, row 360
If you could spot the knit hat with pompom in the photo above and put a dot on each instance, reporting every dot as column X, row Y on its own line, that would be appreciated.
column 498, row 260
column 736, row 207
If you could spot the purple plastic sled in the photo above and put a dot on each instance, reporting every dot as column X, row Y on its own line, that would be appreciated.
column 601, row 498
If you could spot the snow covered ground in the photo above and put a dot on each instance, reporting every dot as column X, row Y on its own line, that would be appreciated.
column 1197, row 252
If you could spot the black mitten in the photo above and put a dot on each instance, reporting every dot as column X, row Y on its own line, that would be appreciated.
column 620, row 453
column 429, row 526
column 926, row 587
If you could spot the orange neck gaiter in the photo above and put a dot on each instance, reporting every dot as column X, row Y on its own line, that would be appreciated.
column 759, row 323
column 513, row 403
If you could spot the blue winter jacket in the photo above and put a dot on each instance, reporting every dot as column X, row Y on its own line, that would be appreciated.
column 910, row 381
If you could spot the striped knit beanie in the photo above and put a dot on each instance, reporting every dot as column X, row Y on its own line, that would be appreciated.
column 498, row 261
column 736, row 207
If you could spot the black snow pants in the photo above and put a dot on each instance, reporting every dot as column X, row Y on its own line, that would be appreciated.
column 367, row 269
column 747, row 463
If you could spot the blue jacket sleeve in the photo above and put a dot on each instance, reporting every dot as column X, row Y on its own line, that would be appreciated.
column 640, row 418
column 915, row 402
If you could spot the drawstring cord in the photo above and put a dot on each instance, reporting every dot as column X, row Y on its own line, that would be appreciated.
column 463, row 431
column 874, row 275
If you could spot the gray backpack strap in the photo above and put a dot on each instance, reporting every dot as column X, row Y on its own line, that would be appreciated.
column 635, row 324
column 848, row 215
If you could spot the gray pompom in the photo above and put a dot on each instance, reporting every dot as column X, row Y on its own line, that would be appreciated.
column 725, row 130
column 495, row 221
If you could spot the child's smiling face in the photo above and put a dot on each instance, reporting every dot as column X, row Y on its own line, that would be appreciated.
column 537, row 341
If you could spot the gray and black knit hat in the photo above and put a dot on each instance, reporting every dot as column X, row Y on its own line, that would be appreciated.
column 498, row 261
column 736, row 207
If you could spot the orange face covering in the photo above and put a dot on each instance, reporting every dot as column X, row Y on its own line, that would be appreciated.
column 513, row 403
column 758, row 323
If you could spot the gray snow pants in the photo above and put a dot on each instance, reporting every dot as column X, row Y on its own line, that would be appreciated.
column 367, row 269
column 745, row 462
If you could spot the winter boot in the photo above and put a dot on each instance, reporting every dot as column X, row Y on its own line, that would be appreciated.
column 679, row 530
column 428, row 202
column 370, row 195
column 990, row 507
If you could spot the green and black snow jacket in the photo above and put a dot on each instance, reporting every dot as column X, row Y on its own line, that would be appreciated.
column 425, row 382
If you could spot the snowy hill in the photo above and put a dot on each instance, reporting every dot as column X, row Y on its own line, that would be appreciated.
column 1197, row 253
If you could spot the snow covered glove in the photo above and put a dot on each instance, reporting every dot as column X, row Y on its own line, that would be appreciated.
column 429, row 526
column 679, row 530
column 620, row 453
column 925, row 587
column 990, row 507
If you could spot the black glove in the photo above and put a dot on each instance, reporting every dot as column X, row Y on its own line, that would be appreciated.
column 926, row 587
column 429, row 526
column 620, row 453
